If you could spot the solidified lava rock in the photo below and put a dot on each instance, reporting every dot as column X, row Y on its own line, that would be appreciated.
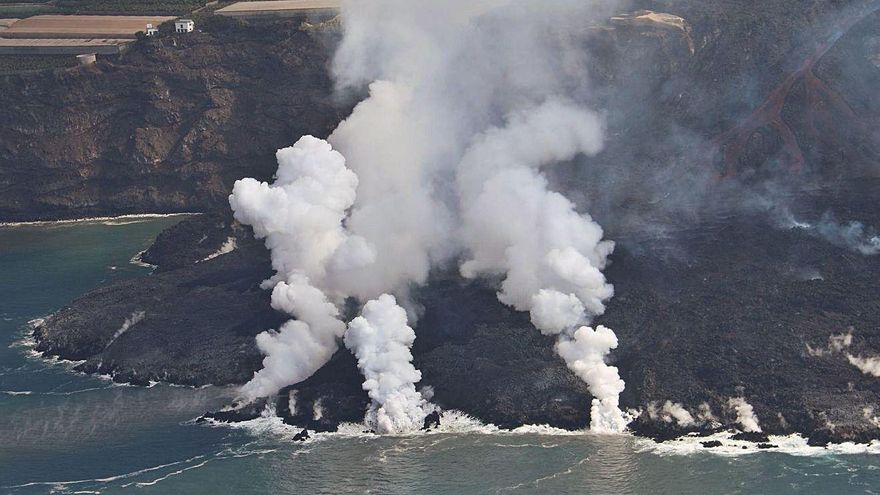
column 432, row 421
column 711, row 444
column 198, row 324
column 755, row 436
column 191, row 241
column 331, row 396
column 659, row 431
column 820, row 438
column 302, row 436
column 670, row 313
column 245, row 412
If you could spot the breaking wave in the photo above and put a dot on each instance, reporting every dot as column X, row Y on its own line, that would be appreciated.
column 794, row 444
column 111, row 221
column 459, row 423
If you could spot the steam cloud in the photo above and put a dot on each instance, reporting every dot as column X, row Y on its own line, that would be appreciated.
column 867, row 365
column 672, row 412
column 300, row 217
column 852, row 235
column 134, row 319
column 745, row 414
column 381, row 340
column 469, row 102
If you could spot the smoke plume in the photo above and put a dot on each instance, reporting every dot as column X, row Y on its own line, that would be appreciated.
column 381, row 339
column 584, row 352
column 867, row 365
column 300, row 217
column 671, row 412
column 469, row 103
column 745, row 414
column 851, row 235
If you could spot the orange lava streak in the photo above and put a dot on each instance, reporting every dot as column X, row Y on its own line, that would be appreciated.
column 820, row 99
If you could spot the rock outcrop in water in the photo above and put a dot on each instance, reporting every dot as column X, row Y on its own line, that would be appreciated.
column 715, row 299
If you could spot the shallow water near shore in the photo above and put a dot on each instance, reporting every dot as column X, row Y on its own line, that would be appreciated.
column 63, row 432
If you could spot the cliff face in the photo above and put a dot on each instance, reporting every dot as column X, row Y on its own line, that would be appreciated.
column 167, row 127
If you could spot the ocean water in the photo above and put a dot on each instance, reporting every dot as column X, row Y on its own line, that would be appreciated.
column 62, row 432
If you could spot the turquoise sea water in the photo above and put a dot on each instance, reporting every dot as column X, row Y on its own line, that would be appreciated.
column 61, row 432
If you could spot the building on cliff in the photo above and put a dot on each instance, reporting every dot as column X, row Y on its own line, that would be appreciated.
column 86, row 59
column 184, row 25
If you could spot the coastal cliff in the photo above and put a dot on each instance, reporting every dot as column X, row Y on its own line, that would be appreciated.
column 166, row 127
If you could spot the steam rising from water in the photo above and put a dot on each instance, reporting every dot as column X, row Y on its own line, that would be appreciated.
column 584, row 352
column 300, row 216
column 469, row 102
column 381, row 340
column 745, row 414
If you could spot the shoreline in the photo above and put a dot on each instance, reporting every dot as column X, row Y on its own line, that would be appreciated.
column 459, row 423
column 72, row 221
column 28, row 342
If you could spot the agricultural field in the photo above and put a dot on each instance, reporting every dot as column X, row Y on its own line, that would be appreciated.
column 102, row 7
column 128, row 7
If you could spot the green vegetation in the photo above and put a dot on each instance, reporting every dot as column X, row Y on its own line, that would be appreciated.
column 128, row 7
column 15, row 64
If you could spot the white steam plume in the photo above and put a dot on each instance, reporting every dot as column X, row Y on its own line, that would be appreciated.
column 584, row 352
column 301, row 218
column 301, row 346
column 551, row 257
column 135, row 318
column 301, row 214
column 675, row 411
column 381, row 339
column 390, row 146
column 513, row 225
column 671, row 412
column 745, row 414
column 867, row 365
column 854, row 236
column 468, row 100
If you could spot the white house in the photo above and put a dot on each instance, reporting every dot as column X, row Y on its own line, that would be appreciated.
column 151, row 30
column 184, row 25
